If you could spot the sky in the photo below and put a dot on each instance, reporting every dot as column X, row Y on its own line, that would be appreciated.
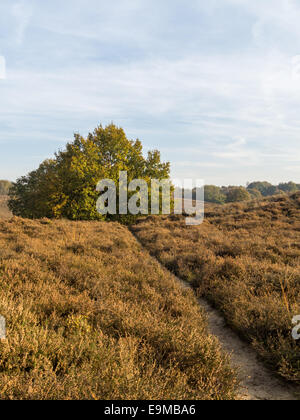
column 215, row 86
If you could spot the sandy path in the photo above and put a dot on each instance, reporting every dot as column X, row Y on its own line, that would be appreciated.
column 257, row 382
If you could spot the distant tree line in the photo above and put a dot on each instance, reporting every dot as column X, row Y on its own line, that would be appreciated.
column 254, row 190
column 5, row 187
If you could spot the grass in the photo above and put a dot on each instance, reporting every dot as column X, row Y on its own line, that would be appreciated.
column 4, row 211
column 90, row 315
column 244, row 258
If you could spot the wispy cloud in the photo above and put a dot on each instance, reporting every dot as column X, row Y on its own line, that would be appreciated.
column 22, row 12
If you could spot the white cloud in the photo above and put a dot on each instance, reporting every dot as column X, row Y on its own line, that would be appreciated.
column 22, row 13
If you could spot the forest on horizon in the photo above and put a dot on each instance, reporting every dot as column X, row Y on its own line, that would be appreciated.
column 220, row 195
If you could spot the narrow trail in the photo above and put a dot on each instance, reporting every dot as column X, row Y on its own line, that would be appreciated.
column 256, row 381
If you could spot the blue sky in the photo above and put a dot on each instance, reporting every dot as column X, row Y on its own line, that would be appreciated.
column 214, row 85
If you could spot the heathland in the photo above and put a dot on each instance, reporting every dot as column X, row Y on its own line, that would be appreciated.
column 245, row 259
column 90, row 315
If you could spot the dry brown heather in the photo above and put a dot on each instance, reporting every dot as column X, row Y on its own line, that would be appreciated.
column 245, row 258
column 91, row 315
column 4, row 212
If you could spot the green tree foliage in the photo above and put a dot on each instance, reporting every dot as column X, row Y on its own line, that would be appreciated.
column 262, row 187
column 288, row 187
column 214, row 194
column 255, row 194
column 273, row 190
column 237, row 194
column 4, row 187
column 265, row 188
column 255, row 190
column 66, row 185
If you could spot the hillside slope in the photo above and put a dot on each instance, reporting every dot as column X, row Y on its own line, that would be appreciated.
column 91, row 315
column 245, row 259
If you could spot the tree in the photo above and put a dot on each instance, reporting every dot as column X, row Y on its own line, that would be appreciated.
column 66, row 185
column 4, row 187
column 237, row 194
column 288, row 187
column 213, row 194
column 273, row 190
column 33, row 196
column 255, row 193
column 265, row 188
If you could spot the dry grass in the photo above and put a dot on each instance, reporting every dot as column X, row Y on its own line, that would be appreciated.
column 245, row 258
column 4, row 211
column 91, row 316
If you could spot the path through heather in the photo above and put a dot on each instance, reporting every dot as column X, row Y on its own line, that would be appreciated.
column 256, row 381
